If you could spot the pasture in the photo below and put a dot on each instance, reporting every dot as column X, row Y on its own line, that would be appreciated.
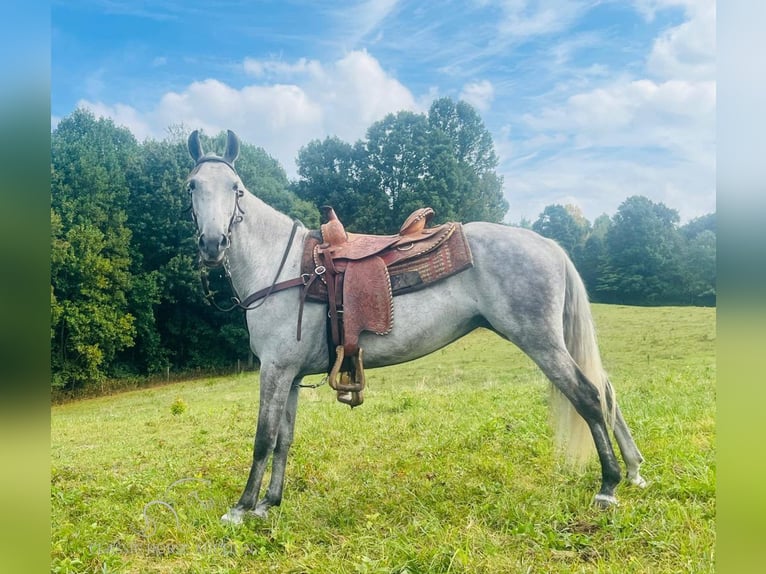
column 447, row 467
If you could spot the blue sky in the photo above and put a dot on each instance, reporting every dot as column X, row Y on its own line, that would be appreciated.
column 588, row 101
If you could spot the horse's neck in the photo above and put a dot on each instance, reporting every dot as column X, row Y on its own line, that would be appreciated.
column 258, row 244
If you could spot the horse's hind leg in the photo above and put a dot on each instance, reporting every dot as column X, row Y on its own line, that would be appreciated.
column 630, row 453
column 279, row 460
column 562, row 371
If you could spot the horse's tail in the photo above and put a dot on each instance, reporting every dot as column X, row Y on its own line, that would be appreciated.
column 573, row 436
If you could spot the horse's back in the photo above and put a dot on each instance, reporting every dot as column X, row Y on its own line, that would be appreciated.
column 516, row 274
column 518, row 257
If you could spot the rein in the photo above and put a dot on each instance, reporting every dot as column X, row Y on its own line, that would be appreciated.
column 248, row 303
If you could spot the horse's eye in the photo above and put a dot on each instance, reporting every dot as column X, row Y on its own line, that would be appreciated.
column 190, row 186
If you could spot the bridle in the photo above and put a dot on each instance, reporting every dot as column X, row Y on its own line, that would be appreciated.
column 237, row 213
column 258, row 298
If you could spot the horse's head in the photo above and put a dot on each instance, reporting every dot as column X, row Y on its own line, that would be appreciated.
column 215, row 189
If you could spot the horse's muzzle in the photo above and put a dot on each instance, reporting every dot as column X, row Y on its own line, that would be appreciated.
column 212, row 249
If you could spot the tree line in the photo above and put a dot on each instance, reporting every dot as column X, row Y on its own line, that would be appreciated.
column 126, row 300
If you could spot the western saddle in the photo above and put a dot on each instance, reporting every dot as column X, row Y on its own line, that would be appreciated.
column 359, row 276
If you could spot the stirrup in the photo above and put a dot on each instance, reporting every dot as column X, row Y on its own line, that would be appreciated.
column 353, row 399
column 351, row 385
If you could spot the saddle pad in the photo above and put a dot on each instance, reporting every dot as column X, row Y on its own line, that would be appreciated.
column 451, row 257
column 367, row 300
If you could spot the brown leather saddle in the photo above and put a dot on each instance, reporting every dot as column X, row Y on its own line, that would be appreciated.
column 359, row 276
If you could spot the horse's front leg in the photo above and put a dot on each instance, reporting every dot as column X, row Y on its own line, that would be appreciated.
column 279, row 460
column 275, row 389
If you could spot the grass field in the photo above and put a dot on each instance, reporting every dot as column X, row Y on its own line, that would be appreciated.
column 447, row 467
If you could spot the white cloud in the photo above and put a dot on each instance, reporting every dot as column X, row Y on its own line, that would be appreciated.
column 342, row 98
column 358, row 93
column 479, row 94
column 631, row 137
column 626, row 108
column 600, row 183
column 687, row 51
column 280, row 68
column 122, row 115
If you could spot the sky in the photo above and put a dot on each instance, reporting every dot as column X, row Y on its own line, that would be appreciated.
column 588, row 101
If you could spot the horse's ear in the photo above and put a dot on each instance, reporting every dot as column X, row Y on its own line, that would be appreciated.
column 232, row 147
column 195, row 146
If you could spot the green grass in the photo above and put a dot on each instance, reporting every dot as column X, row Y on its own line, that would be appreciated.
column 447, row 467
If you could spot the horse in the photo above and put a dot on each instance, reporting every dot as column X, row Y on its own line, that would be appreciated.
column 522, row 286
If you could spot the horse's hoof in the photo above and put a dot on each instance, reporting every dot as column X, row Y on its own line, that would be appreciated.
column 638, row 481
column 605, row 501
column 235, row 516
column 262, row 513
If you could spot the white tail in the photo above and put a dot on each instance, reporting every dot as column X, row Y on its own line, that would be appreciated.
column 573, row 437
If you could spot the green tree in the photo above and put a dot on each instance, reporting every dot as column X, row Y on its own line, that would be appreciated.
column 90, row 264
column 593, row 259
column 414, row 165
column 558, row 223
column 644, row 253
column 161, row 228
column 698, row 225
column 407, row 160
column 331, row 172
column 700, row 270
column 481, row 189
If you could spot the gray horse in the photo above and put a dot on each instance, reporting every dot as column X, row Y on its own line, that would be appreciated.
column 521, row 286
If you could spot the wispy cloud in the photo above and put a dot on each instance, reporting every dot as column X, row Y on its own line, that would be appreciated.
column 358, row 21
column 522, row 19
column 687, row 51
column 479, row 94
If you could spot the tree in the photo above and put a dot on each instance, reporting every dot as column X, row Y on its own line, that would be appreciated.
column 161, row 228
column 90, row 264
column 481, row 189
column 698, row 225
column 414, row 166
column 407, row 160
column 644, row 249
column 558, row 223
column 700, row 259
column 331, row 173
column 593, row 259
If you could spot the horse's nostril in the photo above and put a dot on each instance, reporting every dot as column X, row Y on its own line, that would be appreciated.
column 224, row 241
column 201, row 242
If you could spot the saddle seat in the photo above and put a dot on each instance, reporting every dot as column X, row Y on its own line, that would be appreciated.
column 356, row 273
